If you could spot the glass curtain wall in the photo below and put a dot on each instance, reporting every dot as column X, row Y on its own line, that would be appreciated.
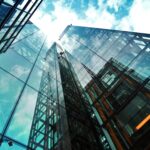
column 21, row 70
column 93, row 86
column 78, row 116
column 32, row 108
column 49, row 127
column 113, row 67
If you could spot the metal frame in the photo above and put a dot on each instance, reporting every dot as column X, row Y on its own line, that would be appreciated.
column 20, row 25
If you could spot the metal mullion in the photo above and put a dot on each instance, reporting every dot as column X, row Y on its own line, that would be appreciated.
column 23, row 56
column 18, row 99
column 116, row 40
column 89, row 49
column 134, row 93
column 136, row 44
column 94, row 82
column 105, row 40
column 120, row 134
column 128, row 100
column 124, row 70
column 28, row 85
column 49, row 74
column 9, row 14
column 83, row 103
column 12, row 6
column 7, row 39
column 24, row 37
column 127, row 32
column 11, row 74
column 127, row 44
column 8, row 26
column 16, row 19
column 134, row 116
column 23, row 25
column 37, row 144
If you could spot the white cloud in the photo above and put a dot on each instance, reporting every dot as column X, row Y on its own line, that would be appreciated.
column 54, row 22
column 4, row 84
column 99, row 18
column 22, row 120
column 115, row 4
column 19, row 71
column 138, row 18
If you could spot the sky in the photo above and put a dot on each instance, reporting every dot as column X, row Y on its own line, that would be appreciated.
column 129, row 15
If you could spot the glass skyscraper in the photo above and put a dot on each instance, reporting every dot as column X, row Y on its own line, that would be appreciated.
column 90, row 90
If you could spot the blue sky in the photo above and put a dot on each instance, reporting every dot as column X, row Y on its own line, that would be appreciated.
column 130, row 15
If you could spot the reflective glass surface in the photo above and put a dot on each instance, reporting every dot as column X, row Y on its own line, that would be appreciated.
column 22, row 120
column 13, row 16
column 94, row 80
column 113, row 67
column 10, row 88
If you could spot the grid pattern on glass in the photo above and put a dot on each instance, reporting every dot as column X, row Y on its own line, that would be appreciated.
column 16, row 68
column 15, row 14
column 116, row 82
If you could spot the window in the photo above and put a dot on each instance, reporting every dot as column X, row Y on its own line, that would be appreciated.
column 135, row 112
column 108, row 78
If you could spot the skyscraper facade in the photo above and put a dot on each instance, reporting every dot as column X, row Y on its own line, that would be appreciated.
column 113, row 67
column 20, row 67
column 14, row 14
column 90, row 90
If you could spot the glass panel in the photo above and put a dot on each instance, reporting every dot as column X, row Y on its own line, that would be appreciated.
column 111, row 50
column 82, row 75
column 2, row 44
column 5, row 146
column 140, row 68
column 28, row 30
column 121, row 94
column 3, row 30
column 19, row 128
column 3, row 11
column 12, row 17
column 9, row 41
column 25, row 50
column 136, row 111
column 42, row 64
column 108, row 78
column 13, row 1
column 148, row 85
column 35, row 78
column 95, row 63
column 127, row 54
column 10, row 89
column 45, row 48
column 9, row 61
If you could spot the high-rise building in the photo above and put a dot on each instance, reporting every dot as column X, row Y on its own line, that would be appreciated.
column 14, row 14
column 114, row 68
column 90, row 90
